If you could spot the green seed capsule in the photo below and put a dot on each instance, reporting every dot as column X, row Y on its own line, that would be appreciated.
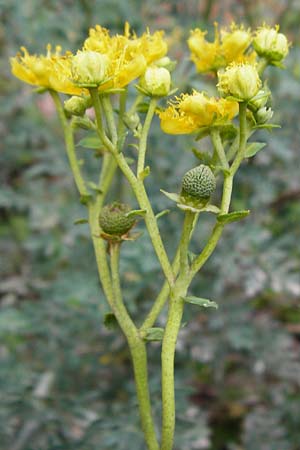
column 198, row 183
column 113, row 219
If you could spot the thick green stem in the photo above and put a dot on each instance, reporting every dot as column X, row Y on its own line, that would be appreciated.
column 175, row 312
column 137, row 350
column 185, row 239
column 144, row 135
column 70, row 147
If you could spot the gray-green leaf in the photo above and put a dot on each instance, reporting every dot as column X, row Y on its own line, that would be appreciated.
column 204, row 302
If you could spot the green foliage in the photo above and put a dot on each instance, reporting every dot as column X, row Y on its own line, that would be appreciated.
column 65, row 380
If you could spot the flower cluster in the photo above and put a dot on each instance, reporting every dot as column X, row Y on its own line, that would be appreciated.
column 109, row 62
column 235, row 46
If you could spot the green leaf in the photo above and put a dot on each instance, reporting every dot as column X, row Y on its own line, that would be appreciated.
column 144, row 173
column 200, row 302
column 110, row 321
column 136, row 212
column 268, row 126
column 171, row 195
column 233, row 216
column 92, row 140
column 253, row 148
column 154, row 334
column 162, row 213
column 80, row 221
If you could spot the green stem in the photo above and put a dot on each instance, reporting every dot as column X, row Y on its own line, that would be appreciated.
column 144, row 135
column 242, row 138
column 175, row 313
column 176, row 303
column 137, row 350
column 109, row 115
column 121, row 125
column 70, row 147
column 262, row 65
column 162, row 297
column 185, row 239
column 138, row 189
column 165, row 290
column 218, row 146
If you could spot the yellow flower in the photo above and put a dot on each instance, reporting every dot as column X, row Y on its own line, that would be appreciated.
column 51, row 71
column 271, row 44
column 193, row 111
column 240, row 81
column 228, row 46
column 235, row 42
column 128, row 54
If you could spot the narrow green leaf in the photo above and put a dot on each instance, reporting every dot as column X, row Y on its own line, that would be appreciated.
column 162, row 213
column 154, row 334
column 80, row 221
column 268, row 126
column 171, row 195
column 200, row 302
column 253, row 148
column 136, row 212
column 90, row 141
column 233, row 216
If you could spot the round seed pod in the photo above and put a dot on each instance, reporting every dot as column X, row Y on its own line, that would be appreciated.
column 113, row 219
column 198, row 183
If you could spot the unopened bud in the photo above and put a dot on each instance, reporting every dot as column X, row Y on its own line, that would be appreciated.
column 263, row 115
column 76, row 106
column 270, row 44
column 240, row 81
column 156, row 81
column 89, row 68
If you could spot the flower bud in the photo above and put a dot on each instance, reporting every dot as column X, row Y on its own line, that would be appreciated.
column 114, row 221
column 89, row 68
column 198, row 183
column 270, row 44
column 261, row 98
column 263, row 115
column 156, row 81
column 76, row 106
column 240, row 81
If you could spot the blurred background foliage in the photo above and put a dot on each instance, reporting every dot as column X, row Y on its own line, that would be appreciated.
column 65, row 379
